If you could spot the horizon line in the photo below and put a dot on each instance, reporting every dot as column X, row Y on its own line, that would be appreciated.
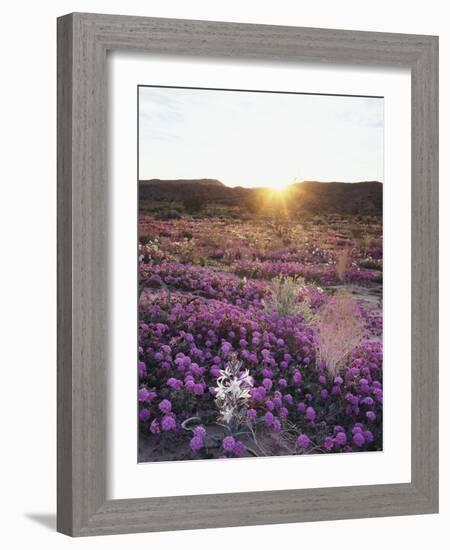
column 196, row 180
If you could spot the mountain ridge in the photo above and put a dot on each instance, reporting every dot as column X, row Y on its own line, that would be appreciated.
column 363, row 197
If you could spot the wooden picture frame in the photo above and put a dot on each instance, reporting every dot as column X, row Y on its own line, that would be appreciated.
column 83, row 41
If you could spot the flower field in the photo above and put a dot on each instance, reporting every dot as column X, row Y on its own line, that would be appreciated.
column 259, row 335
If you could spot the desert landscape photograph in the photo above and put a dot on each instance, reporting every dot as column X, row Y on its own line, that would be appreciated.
column 260, row 266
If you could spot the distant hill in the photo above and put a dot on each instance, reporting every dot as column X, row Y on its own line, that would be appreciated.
column 174, row 183
column 356, row 198
column 365, row 197
column 176, row 189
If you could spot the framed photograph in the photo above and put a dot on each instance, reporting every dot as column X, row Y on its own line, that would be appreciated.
column 247, row 274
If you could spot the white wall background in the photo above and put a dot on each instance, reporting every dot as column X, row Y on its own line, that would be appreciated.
column 28, row 269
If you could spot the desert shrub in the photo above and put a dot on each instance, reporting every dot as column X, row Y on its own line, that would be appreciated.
column 378, row 278
column 284, row 297
column 340, row 328
column 193, row 203
column 282, row 230
column 305, row 311
column 357, row 231
column 216, row 254
column 254, row 202
column 342, row 263
column 369, row 263
column 168, row 215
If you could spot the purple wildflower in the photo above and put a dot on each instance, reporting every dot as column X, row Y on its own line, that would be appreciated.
column 165, row 406
column 324, row 393
column 228, row 443
column 303, row 441
column 270, row 405
column 144, row 395
column 276, row 425
column 154, row 427
column 310, row 414
column 168, row 423
column 196, row 443
column 199, row 431
column 174, row 383
column 358, row 439
column 238, row 449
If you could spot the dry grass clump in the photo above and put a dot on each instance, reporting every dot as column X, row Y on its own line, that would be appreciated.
column 340, row 328
column 342, row 264
column 284, row 298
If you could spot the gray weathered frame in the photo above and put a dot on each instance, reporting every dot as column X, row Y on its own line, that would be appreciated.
column 83, row 40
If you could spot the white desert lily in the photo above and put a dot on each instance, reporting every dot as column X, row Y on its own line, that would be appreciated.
column 233, row 392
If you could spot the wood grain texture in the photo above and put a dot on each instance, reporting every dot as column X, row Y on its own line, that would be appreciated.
column 83, row 244
column 64, row 229
column 424, row 277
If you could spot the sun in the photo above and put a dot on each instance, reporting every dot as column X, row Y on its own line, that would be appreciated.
column 278, row 187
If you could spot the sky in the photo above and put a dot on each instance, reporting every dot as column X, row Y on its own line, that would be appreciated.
column 258, row 139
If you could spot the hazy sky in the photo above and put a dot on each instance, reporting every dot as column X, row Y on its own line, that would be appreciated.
column 258, row 139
